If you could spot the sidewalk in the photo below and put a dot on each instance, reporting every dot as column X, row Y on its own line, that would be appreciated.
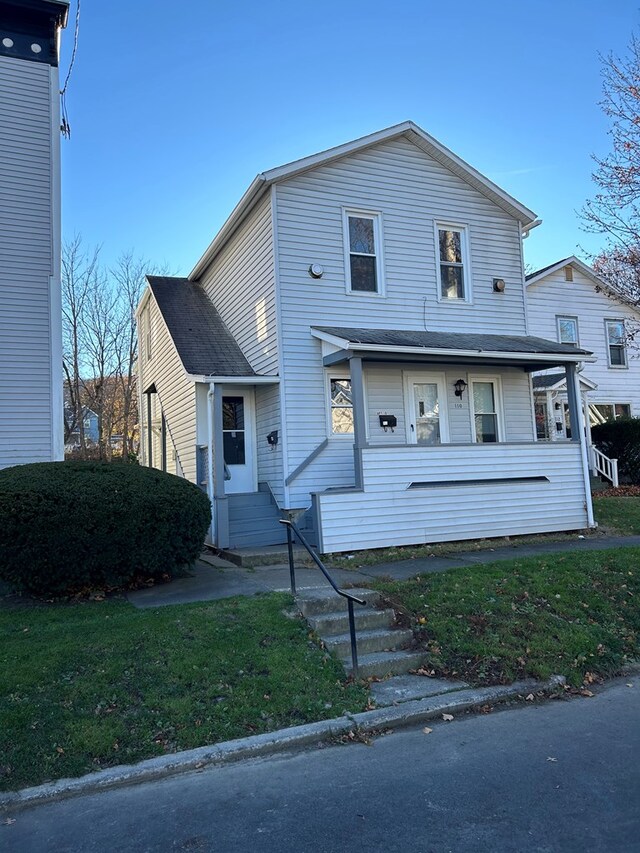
column 213, row 578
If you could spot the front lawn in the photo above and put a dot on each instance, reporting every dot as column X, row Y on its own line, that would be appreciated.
column 90, row 685
column 618, row 514
column 573, row 614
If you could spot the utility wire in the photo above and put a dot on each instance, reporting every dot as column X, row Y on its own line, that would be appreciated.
column 65, row 127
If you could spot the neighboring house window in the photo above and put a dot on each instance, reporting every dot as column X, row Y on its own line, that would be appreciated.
column 341, row 405
column 616, row 343
column 568, row 330
column 601, row 413
column 452, row 262
column 484, row 403
column 362, row 239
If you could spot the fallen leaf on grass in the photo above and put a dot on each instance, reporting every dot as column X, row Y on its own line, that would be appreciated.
column 529, row 698
column 426, row 730
column 584, row 692
column 447, row 717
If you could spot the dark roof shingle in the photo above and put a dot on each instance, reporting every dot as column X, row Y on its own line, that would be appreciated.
column 205, row 345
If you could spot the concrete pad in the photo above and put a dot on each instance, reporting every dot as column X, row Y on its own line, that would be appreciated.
column 206, row 584
column 277, row 578
column 404, row 688
column 405, row 569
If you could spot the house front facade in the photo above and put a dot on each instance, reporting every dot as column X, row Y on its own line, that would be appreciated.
column 352, row 349
column 31, row 404
column 569, row 302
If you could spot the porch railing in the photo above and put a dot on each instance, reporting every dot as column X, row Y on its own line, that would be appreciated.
column 608, row 468
column 291, row 530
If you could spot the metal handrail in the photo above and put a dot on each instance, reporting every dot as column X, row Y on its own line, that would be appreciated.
column 291, row 529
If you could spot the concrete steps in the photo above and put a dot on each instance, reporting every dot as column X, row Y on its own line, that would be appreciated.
column 380, row 646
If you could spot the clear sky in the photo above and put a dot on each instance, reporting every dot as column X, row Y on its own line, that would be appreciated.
column 175, row 107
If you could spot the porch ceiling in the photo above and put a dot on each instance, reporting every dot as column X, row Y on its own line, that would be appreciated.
column 526, row 352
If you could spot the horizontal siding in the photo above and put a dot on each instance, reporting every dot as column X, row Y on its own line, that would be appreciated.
column 176, row 395
column 388, row 513
column 553, row 296
column 411, row 191
column 270, row 465
column 26, row 262
column 241, row 284
column 384, row 393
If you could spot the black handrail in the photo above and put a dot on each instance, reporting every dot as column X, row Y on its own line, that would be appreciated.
column 291, row 529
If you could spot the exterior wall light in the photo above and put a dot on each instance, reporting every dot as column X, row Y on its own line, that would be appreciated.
column 460, row 387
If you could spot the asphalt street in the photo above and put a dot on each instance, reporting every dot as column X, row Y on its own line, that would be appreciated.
column 560, row 776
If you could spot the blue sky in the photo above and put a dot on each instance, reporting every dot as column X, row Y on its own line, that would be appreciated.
column 174, row 108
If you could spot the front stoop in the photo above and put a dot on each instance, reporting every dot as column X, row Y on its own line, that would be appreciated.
column 381, row 647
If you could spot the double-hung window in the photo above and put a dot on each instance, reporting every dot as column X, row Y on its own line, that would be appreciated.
column 568, row 330
column 485, row 407
column 362, row 241
column 453, row 266
column 616, row 343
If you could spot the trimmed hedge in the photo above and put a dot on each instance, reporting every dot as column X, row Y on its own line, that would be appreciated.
column 69, row 526
column 621, row 440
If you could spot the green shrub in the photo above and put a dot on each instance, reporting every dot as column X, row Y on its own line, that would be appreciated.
column 67, row 526
column 621, row 440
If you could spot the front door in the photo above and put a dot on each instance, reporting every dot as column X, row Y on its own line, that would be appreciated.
column 425, row 409
column 238, row 433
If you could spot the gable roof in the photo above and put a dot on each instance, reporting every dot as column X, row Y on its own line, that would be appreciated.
column 557, row 381
column 205, row 345
column 406, row 129
column 571, row 261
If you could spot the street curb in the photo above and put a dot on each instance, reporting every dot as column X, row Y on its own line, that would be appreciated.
column 270, row 743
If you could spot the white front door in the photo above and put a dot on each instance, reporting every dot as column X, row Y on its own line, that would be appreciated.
column 425, row 408
column 239, row 436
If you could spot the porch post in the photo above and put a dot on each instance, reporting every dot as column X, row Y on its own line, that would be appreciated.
column 359, row 417
column 221, row 506
column 578, row 434
column 164, row 442
column 149, row 433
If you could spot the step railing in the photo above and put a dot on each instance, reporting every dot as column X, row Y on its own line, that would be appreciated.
column 608, row 468
column 291, row 530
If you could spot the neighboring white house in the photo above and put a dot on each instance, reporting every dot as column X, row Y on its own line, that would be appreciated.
column 567, row 301
column 352, row 348
column 31, row 413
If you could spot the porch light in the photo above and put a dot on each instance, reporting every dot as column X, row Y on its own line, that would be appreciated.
column 460, row 387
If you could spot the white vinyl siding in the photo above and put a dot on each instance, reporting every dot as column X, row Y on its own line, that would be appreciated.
column 412, row 192
column 548, row 494
column 176, row 397
column 241, row 284
column 269, row 457
column 550, row 297
column 27, row 263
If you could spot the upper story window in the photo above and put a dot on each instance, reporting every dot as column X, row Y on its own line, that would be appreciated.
column 363, row 244
column 568, row 330
column 453, row 262
column 616, row 343
column 341, row 405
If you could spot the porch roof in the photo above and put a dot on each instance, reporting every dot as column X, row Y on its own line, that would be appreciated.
column 205, row 345
column 528, row 352
column 558, row 382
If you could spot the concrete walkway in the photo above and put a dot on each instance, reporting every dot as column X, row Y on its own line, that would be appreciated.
column 212, row 578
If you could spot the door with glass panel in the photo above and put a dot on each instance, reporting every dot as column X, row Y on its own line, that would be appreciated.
column 425, row 409
column 238, row 438
column 485, row 407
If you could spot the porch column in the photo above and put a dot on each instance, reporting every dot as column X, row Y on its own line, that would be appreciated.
column 578, row 434
column 220, row 502
column 149, row 459
column 359, row 416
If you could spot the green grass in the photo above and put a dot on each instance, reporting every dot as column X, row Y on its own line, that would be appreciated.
column 621, row 515
column 571, row 614
column 89, row 685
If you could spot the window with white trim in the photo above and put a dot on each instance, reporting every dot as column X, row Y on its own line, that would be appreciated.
column 453, row 267
column 340, row 405
column 616, row 343
column 362, row 242
column 568, row 330
column 485, row 403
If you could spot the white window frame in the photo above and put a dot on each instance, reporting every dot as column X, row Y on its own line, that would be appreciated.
column 421, row 377
column 463, row 230
column 624, row 366
column 376, row 217
column 497, row 393
column 574, row 320
column 328, row 376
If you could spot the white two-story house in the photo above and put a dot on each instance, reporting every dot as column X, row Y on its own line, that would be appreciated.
column 569, row 302
column 352, row 349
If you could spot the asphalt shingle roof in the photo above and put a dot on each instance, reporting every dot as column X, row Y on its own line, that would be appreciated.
column 205, row 345
column 544, row 269
column 452, row 340
column 546, row 380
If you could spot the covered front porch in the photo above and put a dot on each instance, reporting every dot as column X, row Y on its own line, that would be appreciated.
column 457, row 458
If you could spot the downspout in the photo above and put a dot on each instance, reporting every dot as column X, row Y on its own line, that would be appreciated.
column 210, row 393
